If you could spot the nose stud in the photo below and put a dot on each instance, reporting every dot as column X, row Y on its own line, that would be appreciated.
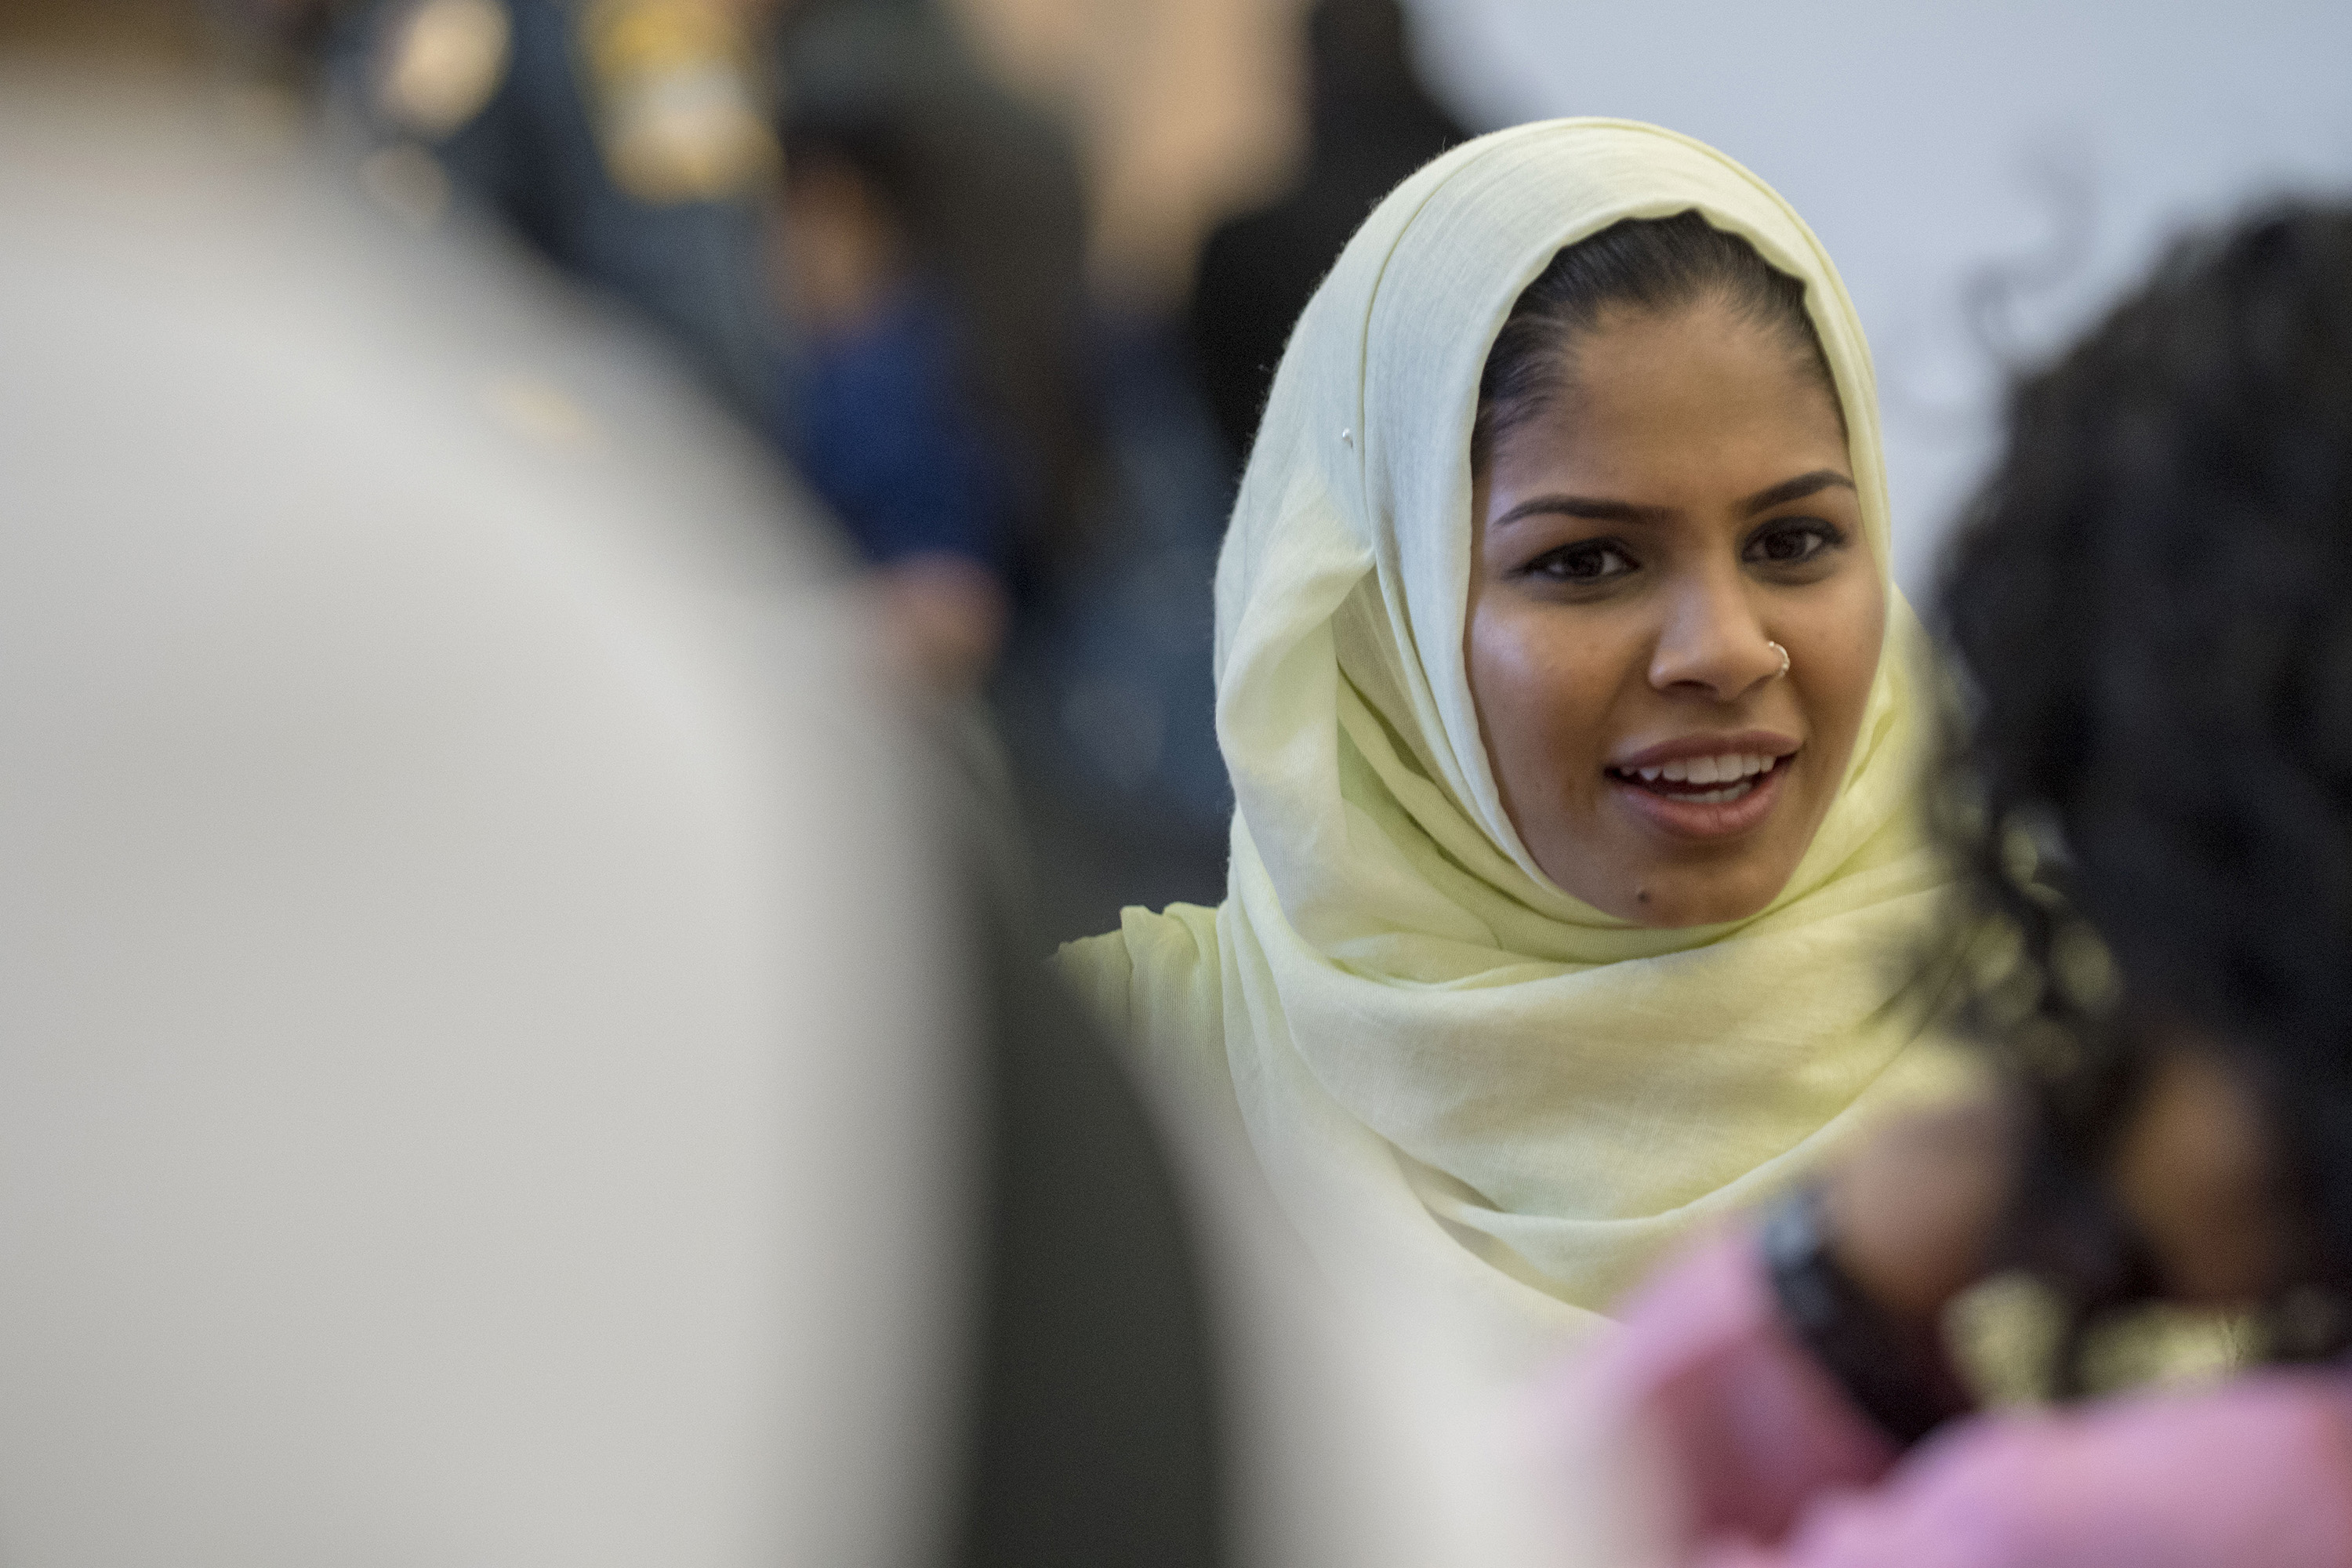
column 1776, row 648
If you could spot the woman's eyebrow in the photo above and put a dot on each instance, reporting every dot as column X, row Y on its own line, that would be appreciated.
column 1588, row 507
column 1797, row 488
column 1595, row 509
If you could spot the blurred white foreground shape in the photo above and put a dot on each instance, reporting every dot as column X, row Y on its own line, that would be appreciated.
column 474, row 997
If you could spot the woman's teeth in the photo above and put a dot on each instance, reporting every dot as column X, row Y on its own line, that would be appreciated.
column 1734, row 774
column 1707, row 769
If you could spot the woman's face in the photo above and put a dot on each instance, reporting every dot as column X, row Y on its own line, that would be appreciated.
column 1686, row 501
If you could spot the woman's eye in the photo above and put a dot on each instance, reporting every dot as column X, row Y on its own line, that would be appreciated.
column 1592, row 563
column 1793, row 544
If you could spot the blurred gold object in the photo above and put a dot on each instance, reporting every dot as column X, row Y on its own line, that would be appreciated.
column 442, row 60
column 2004, row 1333
column 678, row 110
column 2086, row 969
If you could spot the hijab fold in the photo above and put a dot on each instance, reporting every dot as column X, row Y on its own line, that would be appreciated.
column 1463, row 1083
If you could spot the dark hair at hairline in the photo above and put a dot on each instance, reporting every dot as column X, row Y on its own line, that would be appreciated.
column 1653, row 265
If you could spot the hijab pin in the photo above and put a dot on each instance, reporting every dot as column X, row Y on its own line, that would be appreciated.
column 1348, row 437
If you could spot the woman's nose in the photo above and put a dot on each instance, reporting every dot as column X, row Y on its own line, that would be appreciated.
column 1712, row 644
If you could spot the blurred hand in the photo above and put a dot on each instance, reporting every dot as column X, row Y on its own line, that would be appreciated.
column 945, row 616
column 1914, row 1210
column 2199, row 1171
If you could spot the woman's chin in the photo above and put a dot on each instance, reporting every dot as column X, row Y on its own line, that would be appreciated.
column 1668, row 895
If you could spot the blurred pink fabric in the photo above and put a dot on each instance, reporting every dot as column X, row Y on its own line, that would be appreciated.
column 1773, row 1468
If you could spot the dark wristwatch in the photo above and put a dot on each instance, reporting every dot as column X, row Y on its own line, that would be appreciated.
column 1894, row 1375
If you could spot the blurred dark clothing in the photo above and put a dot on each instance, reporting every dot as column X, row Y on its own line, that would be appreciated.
column 1098, row 1437
column 1371, row 123
column 1107, row 698
column 532, row 156
column 881, row 431
column 988, row 195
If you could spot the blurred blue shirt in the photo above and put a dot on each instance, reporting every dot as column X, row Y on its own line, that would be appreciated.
column 884, row 431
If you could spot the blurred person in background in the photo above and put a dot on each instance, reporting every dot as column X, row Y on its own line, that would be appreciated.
column 946, row 402
column 2151, row 799
column 1371, row 122
column 628, row 142
column 931, row 254
column 1028, row 476
column 1574, row 724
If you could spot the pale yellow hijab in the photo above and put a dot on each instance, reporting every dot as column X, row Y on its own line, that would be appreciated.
column 1464, row 1086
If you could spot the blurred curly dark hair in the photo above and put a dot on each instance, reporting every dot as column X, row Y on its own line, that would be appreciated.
column 2151, row 602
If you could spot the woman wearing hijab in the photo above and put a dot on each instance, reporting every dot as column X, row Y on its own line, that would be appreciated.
column 1574, row 723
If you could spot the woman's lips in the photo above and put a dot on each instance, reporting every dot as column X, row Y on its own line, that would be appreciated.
column 1710, row 807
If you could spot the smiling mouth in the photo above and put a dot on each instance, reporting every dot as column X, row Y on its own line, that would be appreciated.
column 1702, row 781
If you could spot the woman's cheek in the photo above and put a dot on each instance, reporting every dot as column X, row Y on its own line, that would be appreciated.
column 1869, row 643
column 1853, row 632
column 1566, row 723
column 1518, row 680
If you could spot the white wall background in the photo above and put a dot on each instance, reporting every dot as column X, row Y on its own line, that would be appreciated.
column 1933, row 144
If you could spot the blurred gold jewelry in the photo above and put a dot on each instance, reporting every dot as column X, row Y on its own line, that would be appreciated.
column 439, row 63
column 673, row 90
